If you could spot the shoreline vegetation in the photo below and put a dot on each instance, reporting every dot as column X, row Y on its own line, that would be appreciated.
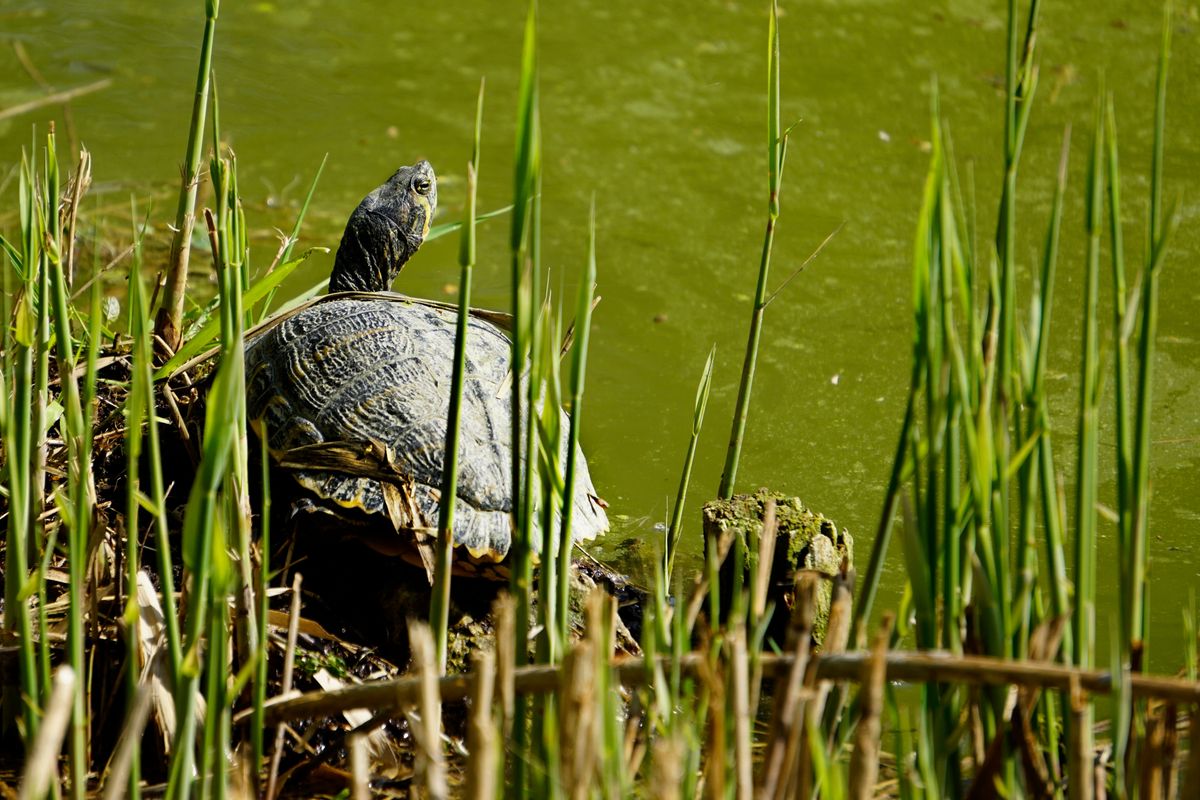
column 155, row 625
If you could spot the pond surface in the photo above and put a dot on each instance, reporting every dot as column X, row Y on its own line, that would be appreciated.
column 657, row 109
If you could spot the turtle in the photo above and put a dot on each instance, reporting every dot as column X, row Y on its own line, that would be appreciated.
column 350, row 394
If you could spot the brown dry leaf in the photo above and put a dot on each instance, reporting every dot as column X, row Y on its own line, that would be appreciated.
column 151, row 639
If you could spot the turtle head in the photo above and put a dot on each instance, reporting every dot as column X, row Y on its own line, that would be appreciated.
column 385, row 230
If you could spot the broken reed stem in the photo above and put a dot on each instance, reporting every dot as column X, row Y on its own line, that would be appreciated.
column 360, row 772
column 504, row 610
column 481, row 729
column 41, row 766
column 668, row 766
column 864, row 761
column 743, row 763
column 928, row 666
column 578, row 704
column 430, row 767
column 1079, row 743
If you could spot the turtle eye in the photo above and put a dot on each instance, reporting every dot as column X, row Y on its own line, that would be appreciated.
column 422, row 186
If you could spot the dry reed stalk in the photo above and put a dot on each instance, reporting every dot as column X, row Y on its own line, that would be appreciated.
column 787, row 720
column 837, row 636
column 579, row 717
column 668, row 766
column 742, row 723
column 1151, row 761
column 427, row 730
column 766, row 557
column 864, row 761
column 761, row 589
column 76, row 189
column 716, row 752
column 289, row 662
column 40, row 766
column 481, row 729
column 360, row 772
column 504, row 611
column 1080, row 777
column 1100, row 773
column 975, row 721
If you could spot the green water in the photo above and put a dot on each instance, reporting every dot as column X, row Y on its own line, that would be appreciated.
column 657, row 109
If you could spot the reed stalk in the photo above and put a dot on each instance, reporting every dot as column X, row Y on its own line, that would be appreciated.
column 18, row 444
column 205, row 507
column 776, row 152
column 78, row 432
column 525, row 182
column 579, row 355
column 685, row 477
column 1159, row 228
column 170, row 313
column 1085, row 502
column 138, row 408
column 439, row 610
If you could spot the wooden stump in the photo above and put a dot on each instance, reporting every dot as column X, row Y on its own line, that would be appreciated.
column 805, row 540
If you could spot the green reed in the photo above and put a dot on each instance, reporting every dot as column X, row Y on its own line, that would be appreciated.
column 523, row 244
column 19, row 436
column 439, row 611
column 776, row 153
column 579, row 354
column 139, row 410
column 214, row 507
column 77, row 513
column 971, row 540
column 1159, row 229
column 675, row 529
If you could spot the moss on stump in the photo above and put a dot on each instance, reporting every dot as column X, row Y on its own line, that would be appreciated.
column 806, row 540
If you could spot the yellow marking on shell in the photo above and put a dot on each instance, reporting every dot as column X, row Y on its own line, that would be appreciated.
column 341, row 343
column 315, row 487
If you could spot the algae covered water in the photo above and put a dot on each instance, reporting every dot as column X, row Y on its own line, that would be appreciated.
column 656, row 110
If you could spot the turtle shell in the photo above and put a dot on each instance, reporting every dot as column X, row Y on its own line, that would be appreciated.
column 367, row 378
